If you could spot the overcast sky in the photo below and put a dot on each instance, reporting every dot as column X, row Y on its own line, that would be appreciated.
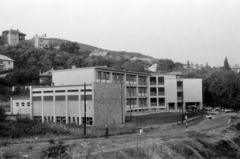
column 196, row 30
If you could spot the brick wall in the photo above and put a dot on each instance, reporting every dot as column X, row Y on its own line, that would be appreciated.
column 108, row 108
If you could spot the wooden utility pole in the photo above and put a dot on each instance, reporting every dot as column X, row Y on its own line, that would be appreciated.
column 85, row 120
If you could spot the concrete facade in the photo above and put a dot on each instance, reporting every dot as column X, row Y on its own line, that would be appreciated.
column 109, row 107
column 110, row 94
column 21, row 106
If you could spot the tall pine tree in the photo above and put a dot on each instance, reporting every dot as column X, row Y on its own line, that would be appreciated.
column 188, row 65
column 226, row 65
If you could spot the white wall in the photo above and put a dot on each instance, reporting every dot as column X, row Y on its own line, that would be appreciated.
column 7, row 65
column 192, row 89
column 20, row 109
column 171, row 90
column 73, row 77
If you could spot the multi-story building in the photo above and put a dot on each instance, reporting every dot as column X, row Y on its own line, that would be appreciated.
column 12, row 37
column 6, row 63
column 109, row 94
column 41, row 41
column 5, row 105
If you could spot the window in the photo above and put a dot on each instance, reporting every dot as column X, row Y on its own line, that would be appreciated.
column 35, row 92
column 17, row 104
column 73, row 97
column 23, row 104
column 9, row 62
column 48, row 98
column 1, row 62
column 73, row 90
column 37, row 98
column 60, row 91
column 28, row 104
column 89, row 121
column 48, row 91
column 60, row 98
column 88, row 97
column 87, row 90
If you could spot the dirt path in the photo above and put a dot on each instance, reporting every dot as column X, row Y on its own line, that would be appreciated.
column 114, row 143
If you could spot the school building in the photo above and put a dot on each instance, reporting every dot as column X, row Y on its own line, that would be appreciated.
column 109, row 94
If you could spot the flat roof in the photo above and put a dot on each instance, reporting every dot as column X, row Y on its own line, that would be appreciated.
column 61, row 86
column 104, row 68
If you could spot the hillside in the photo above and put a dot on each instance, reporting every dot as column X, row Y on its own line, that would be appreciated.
column 85, row 47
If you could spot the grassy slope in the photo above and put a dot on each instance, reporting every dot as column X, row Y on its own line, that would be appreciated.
column 208, row 139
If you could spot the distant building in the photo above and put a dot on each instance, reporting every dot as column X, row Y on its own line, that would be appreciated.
column 12, row 37
column 41, row 41
column 236, row 68
column 6, row 63
column 142, row 59
column 5, row 105
column 45, row 78
column 20, row 105
column 99, row 52
column 153, row 68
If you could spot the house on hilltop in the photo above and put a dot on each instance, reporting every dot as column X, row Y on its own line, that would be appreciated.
column 41, row 41
column 6, row 63
column 99, row 52
column 236, row 68
column 12, row 37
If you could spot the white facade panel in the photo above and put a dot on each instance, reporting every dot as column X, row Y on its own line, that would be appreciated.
column 20, row 106
column 192, row 89
column 171, row 90
column 73, row 77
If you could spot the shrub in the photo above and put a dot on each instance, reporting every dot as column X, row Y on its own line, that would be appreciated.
column 55, row 151
column 2, row 114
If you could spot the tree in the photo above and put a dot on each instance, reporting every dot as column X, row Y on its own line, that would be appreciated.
column 226, row 66
column 2, row 114
column 188, row 64
column 137, row 66
column 165, row 65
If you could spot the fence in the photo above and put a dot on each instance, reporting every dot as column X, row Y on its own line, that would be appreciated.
column 161, row 118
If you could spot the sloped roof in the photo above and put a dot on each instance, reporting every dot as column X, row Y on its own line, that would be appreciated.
column 99, row 52
column 236, row 66
column 14, row 32
column 2, row 57
column 47, row 73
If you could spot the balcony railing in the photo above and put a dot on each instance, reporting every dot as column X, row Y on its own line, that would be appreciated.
column 161, row 104
column 132, row 94
column 153, row 93
column 142, row 83
column 141, row 106
column 179, row 88
column 161, row 93
column 179, row 98
column 142, row 94
column 152, row 83
column 153, row 104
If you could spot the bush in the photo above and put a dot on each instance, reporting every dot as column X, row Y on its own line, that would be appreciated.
column 2, row 114
column 55, row 151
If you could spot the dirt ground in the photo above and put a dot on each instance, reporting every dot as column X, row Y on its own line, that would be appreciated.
column 153, row 135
